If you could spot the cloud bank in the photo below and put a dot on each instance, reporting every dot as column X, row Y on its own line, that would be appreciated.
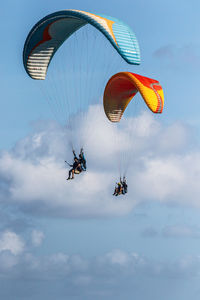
column 163, row 165
column 113, row 275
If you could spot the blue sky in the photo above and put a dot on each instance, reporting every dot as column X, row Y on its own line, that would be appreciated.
column 61, row 240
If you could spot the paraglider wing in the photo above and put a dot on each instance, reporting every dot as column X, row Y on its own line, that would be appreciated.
column 123, row 86
column 50, row 32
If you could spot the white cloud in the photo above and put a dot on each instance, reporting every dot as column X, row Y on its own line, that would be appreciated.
column 117, row 270
column 111, row 266
column 172, row 179
column 162, row 167
column 10, row 241
column 117, row 257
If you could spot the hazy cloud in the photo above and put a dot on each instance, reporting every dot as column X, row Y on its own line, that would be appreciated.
column 181, row 231
column 149, row 232
column 177, row 56
column 37, row 237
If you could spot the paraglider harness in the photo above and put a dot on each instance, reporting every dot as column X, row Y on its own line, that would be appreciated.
column 121, row 187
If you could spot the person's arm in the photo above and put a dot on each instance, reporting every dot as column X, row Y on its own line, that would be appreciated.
column 68, row 164
column 74, row 154
column 82, row 154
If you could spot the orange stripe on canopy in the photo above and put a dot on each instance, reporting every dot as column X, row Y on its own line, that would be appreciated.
column 121, row 89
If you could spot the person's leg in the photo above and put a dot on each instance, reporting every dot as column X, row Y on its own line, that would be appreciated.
column 69, row 176
column 79, row 170
column 84, row 165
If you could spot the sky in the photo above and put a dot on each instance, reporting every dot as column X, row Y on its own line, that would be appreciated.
column 72, row 239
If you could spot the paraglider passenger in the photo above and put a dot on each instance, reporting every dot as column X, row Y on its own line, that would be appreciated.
column 76, row 167
column 115, row 191
column 118, row 189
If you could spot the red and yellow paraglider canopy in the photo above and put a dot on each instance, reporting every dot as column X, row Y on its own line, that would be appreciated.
column 121, row 89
